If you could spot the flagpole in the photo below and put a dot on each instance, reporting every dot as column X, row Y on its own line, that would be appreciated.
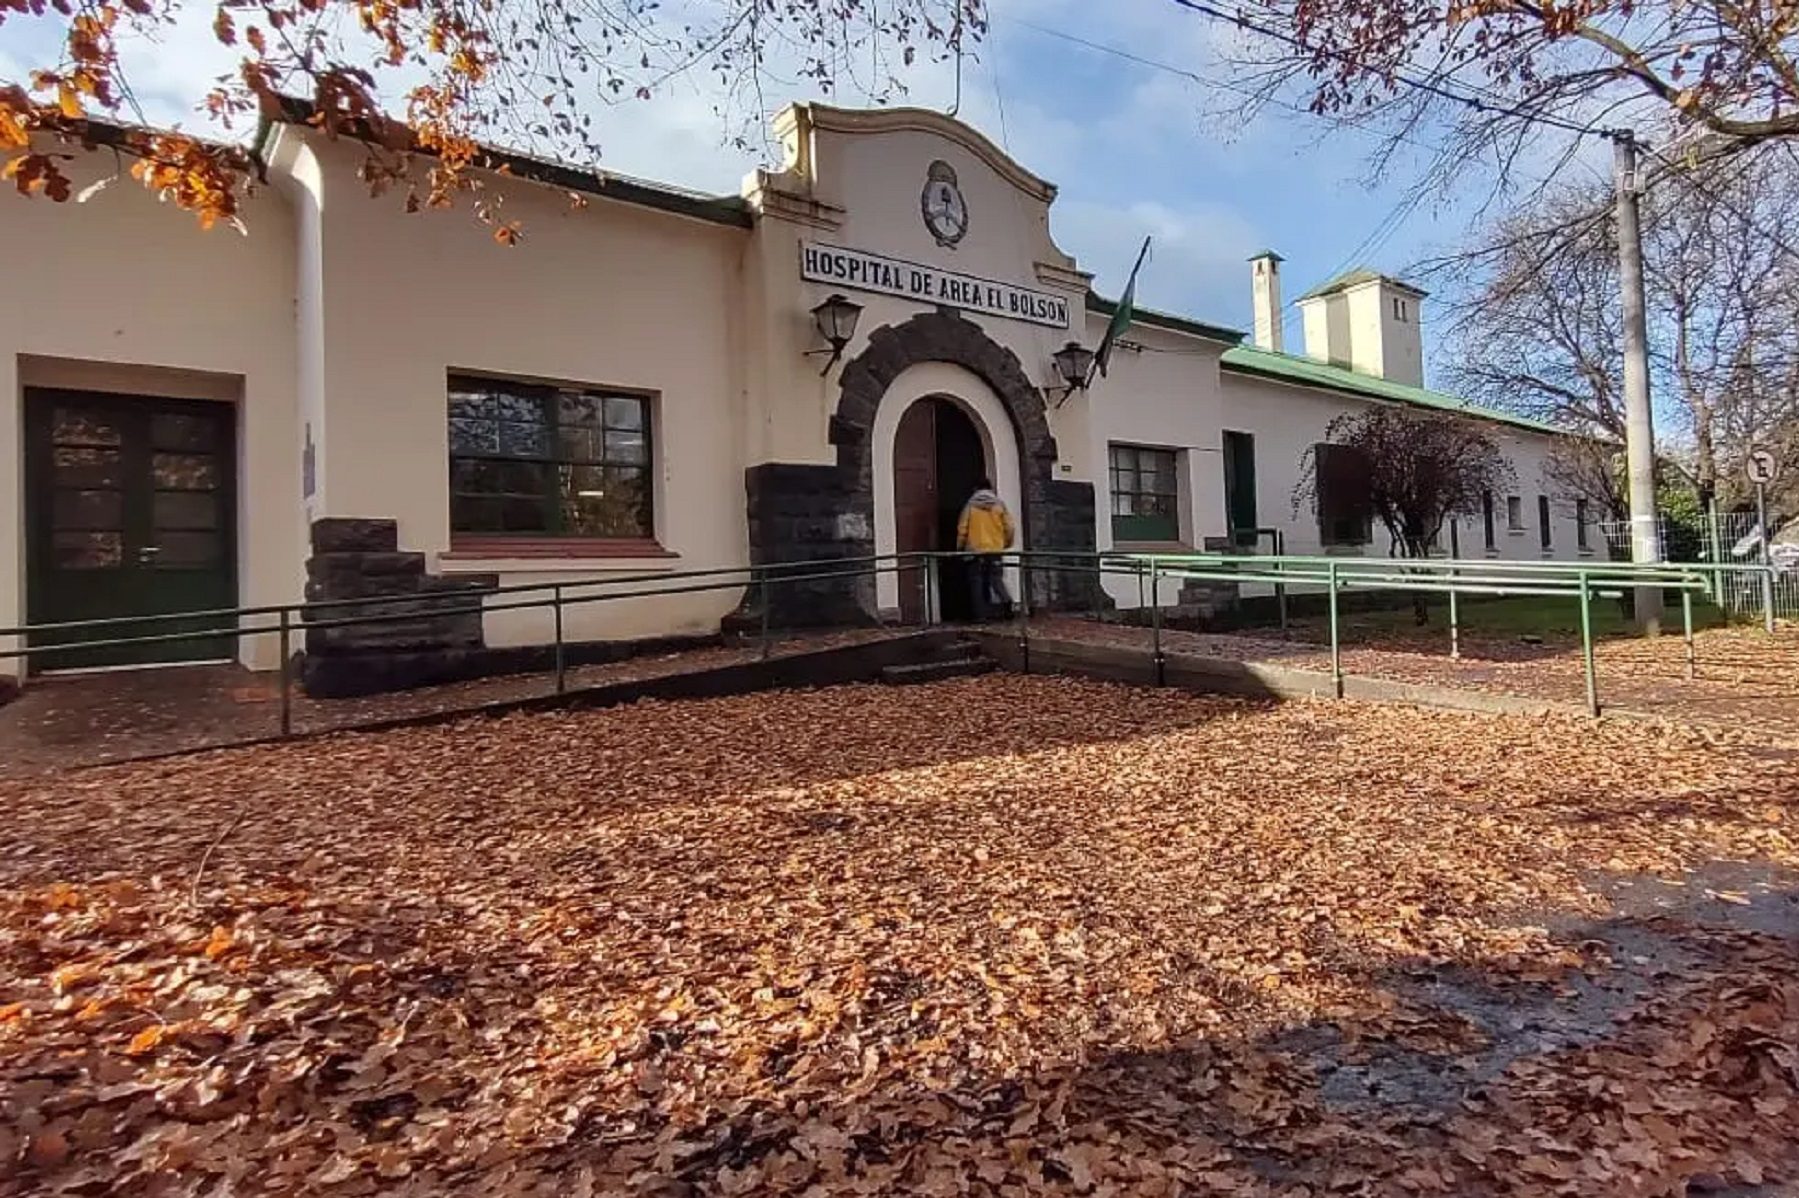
column 1121, row 318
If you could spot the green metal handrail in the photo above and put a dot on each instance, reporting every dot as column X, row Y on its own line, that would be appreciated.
column 1454, row 577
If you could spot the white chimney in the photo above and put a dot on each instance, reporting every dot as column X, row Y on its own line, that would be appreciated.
column 1265, row 291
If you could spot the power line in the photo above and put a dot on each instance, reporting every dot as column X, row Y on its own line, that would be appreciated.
column 1378, row 236
column 1195, row 77
column 999, row 96
column 1491, row 104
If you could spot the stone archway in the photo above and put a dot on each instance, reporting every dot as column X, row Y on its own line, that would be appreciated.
column 807, row 513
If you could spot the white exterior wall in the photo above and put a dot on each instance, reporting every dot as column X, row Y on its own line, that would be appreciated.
column 1167, row 395
column 610, row 295
column 124, row 294
column 1288, row 420
column 860, row 175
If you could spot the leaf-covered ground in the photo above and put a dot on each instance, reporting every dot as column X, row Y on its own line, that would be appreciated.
column 1001, row 936
column 1743, row 676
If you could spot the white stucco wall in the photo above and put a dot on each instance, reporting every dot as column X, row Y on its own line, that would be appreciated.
column 609, row 295
column 861, row 175
column 124, row 294
column 1166, row 395
column 1288, row 420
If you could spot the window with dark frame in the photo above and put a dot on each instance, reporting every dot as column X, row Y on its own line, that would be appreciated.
column 1145, row 495
column 1545, row 530
column 1514, row 513
column 1580, row 526
column 1486, row 513
column 1345, row 502
column 540, row 460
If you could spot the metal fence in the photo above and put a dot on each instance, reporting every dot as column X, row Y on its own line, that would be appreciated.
column 1732, row 539
column 1334, row 577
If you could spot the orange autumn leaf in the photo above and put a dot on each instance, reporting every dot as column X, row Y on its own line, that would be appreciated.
column 145, row 1040
column 219, row 943
column 68, row 101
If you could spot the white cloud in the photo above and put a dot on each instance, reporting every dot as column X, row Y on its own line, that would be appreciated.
column 1198, row 255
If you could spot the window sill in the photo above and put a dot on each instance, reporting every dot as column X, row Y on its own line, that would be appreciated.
column 534, row 549
column 1152, row 547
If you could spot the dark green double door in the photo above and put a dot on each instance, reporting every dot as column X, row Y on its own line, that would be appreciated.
column 129, row 512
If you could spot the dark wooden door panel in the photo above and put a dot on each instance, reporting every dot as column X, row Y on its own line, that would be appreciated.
column 129, row 512
column 915, row 499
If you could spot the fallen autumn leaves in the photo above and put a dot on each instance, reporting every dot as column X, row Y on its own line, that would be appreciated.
column 1009, row 935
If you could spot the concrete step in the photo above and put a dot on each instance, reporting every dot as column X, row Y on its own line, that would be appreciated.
column 937, row 671
column 955, row 651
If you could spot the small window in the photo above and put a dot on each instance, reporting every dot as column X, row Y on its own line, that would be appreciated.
column 1486, row 515
column 1545, row 530
column 1345, row 505
column 1399, row 309
column 528, row 459
column 1145, row 495
column 1514, row 513
column 1580, row 526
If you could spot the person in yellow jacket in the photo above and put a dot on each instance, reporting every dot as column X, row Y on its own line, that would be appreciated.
column 984, row 532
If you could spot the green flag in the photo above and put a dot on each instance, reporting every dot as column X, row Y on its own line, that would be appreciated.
column 1121, row 315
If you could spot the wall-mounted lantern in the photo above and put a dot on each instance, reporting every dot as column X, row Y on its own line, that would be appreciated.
column 836, row 320
column 1074, row 366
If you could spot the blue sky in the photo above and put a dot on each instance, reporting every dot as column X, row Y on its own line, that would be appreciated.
column 1135, row 150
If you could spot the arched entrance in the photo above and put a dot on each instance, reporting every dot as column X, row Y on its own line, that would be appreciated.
column 938, row 458
column 811, row 512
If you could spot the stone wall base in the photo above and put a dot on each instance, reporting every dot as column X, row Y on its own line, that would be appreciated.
column 422, row 629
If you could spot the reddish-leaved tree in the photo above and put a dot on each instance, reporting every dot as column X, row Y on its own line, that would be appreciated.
column 425, row 82
column 1412, row 471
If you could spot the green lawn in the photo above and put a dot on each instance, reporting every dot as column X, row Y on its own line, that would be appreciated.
column 1523, row 615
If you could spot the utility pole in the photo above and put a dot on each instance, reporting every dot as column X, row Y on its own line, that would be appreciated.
column 1639, row 424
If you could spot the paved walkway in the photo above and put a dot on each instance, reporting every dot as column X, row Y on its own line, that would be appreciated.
column 88, row 719
column 1746, row 680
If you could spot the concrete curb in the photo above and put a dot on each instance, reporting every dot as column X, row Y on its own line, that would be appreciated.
column 1228, row 676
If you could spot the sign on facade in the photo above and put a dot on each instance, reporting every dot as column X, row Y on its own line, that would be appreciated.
column 863, row 271
column 1762, row 467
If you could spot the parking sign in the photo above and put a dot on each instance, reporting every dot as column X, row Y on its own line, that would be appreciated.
column 1762, row 467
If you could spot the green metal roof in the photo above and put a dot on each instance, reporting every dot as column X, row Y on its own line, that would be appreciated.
column 1304, row 372
column 1355, row 278
column 1166, row 320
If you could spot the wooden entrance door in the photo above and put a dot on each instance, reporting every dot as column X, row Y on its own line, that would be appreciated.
column 915, row 499
column 129, row 512
column 937, row 459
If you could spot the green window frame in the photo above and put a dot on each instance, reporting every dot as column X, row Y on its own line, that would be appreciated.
column 547, row 460
column 1145, row 488
column 1240, row 487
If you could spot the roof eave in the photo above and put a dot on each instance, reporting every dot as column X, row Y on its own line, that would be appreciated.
column 1166, row 321
column 1454, row 407
column 722, row 210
